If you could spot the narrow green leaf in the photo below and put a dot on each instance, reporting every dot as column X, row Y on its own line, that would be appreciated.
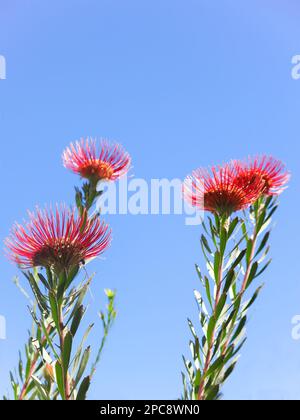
column 252, row 274
column 82, row 365
column 253, row 299
column 230, row 278
column 206, row 244
column 233, row 226
column 263, row 243
column 263, row 269
column 208, row 291
column 217, row 365
column 54, row 310
column 77, row 319
column 84, row 387
column 239, row 329
column 238, row 260
column 60, row 380
column 67, row 350
column 71, row 276
column 250, row 245
column 217, row 264
column 44, row 281
column 211, row 329
column 223, row 241
column 220, row 306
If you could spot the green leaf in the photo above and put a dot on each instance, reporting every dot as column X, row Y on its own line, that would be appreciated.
column 80, row 297
column 217, row 365
column 82, row 365
column 217, row 265
column 67, row 350
column 197, row 382
column 220, row 306
column 80, row 348
column 208, row 291
column 223, row 241
column 54, row 310
column 61, row 286
column 230, row 278
column 271, row 213
column 71, row 276
column 261, row 221
column 44, row 281
column 77, row 319
column 49, row 276
column 60, row 380
column 211, row 329
column 229, row 371
column 253, row 299
column 252, row 274
column 192, row 328
column 189, row 368
column 239, row 329
column 41, row 389
column 233, row 226
column 263, row 269
column 205, row 243
column 263, row 243
column 249, row 251
column 199, row 273
column 84, row 387
column 40, row 298
column 213, row 393
column 78, row 199
column 238, row 260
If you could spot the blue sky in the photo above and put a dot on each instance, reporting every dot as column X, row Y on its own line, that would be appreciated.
column 181, row 84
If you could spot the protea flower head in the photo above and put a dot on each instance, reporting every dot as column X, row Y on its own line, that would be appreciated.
column 218, row 192
column 58, row 239
column 105, row 161
column 272, row 172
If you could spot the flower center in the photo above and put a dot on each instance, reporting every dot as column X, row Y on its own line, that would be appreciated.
column 97, row 169
column 59, row 255
column 223, row 201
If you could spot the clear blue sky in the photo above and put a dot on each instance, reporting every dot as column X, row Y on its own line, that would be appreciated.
column 181, row 83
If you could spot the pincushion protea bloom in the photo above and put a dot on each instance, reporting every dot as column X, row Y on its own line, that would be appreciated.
column 272, row 172
column 218, row 192
column 58, row 240
column 107, row 162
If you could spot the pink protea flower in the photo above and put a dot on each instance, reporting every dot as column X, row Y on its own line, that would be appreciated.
column 59, row 240
column 272, row 172
column 107, row 162
column 218, row 192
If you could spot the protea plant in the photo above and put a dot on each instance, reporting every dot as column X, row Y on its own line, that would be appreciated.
column 241, row 197
column 53, row 249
